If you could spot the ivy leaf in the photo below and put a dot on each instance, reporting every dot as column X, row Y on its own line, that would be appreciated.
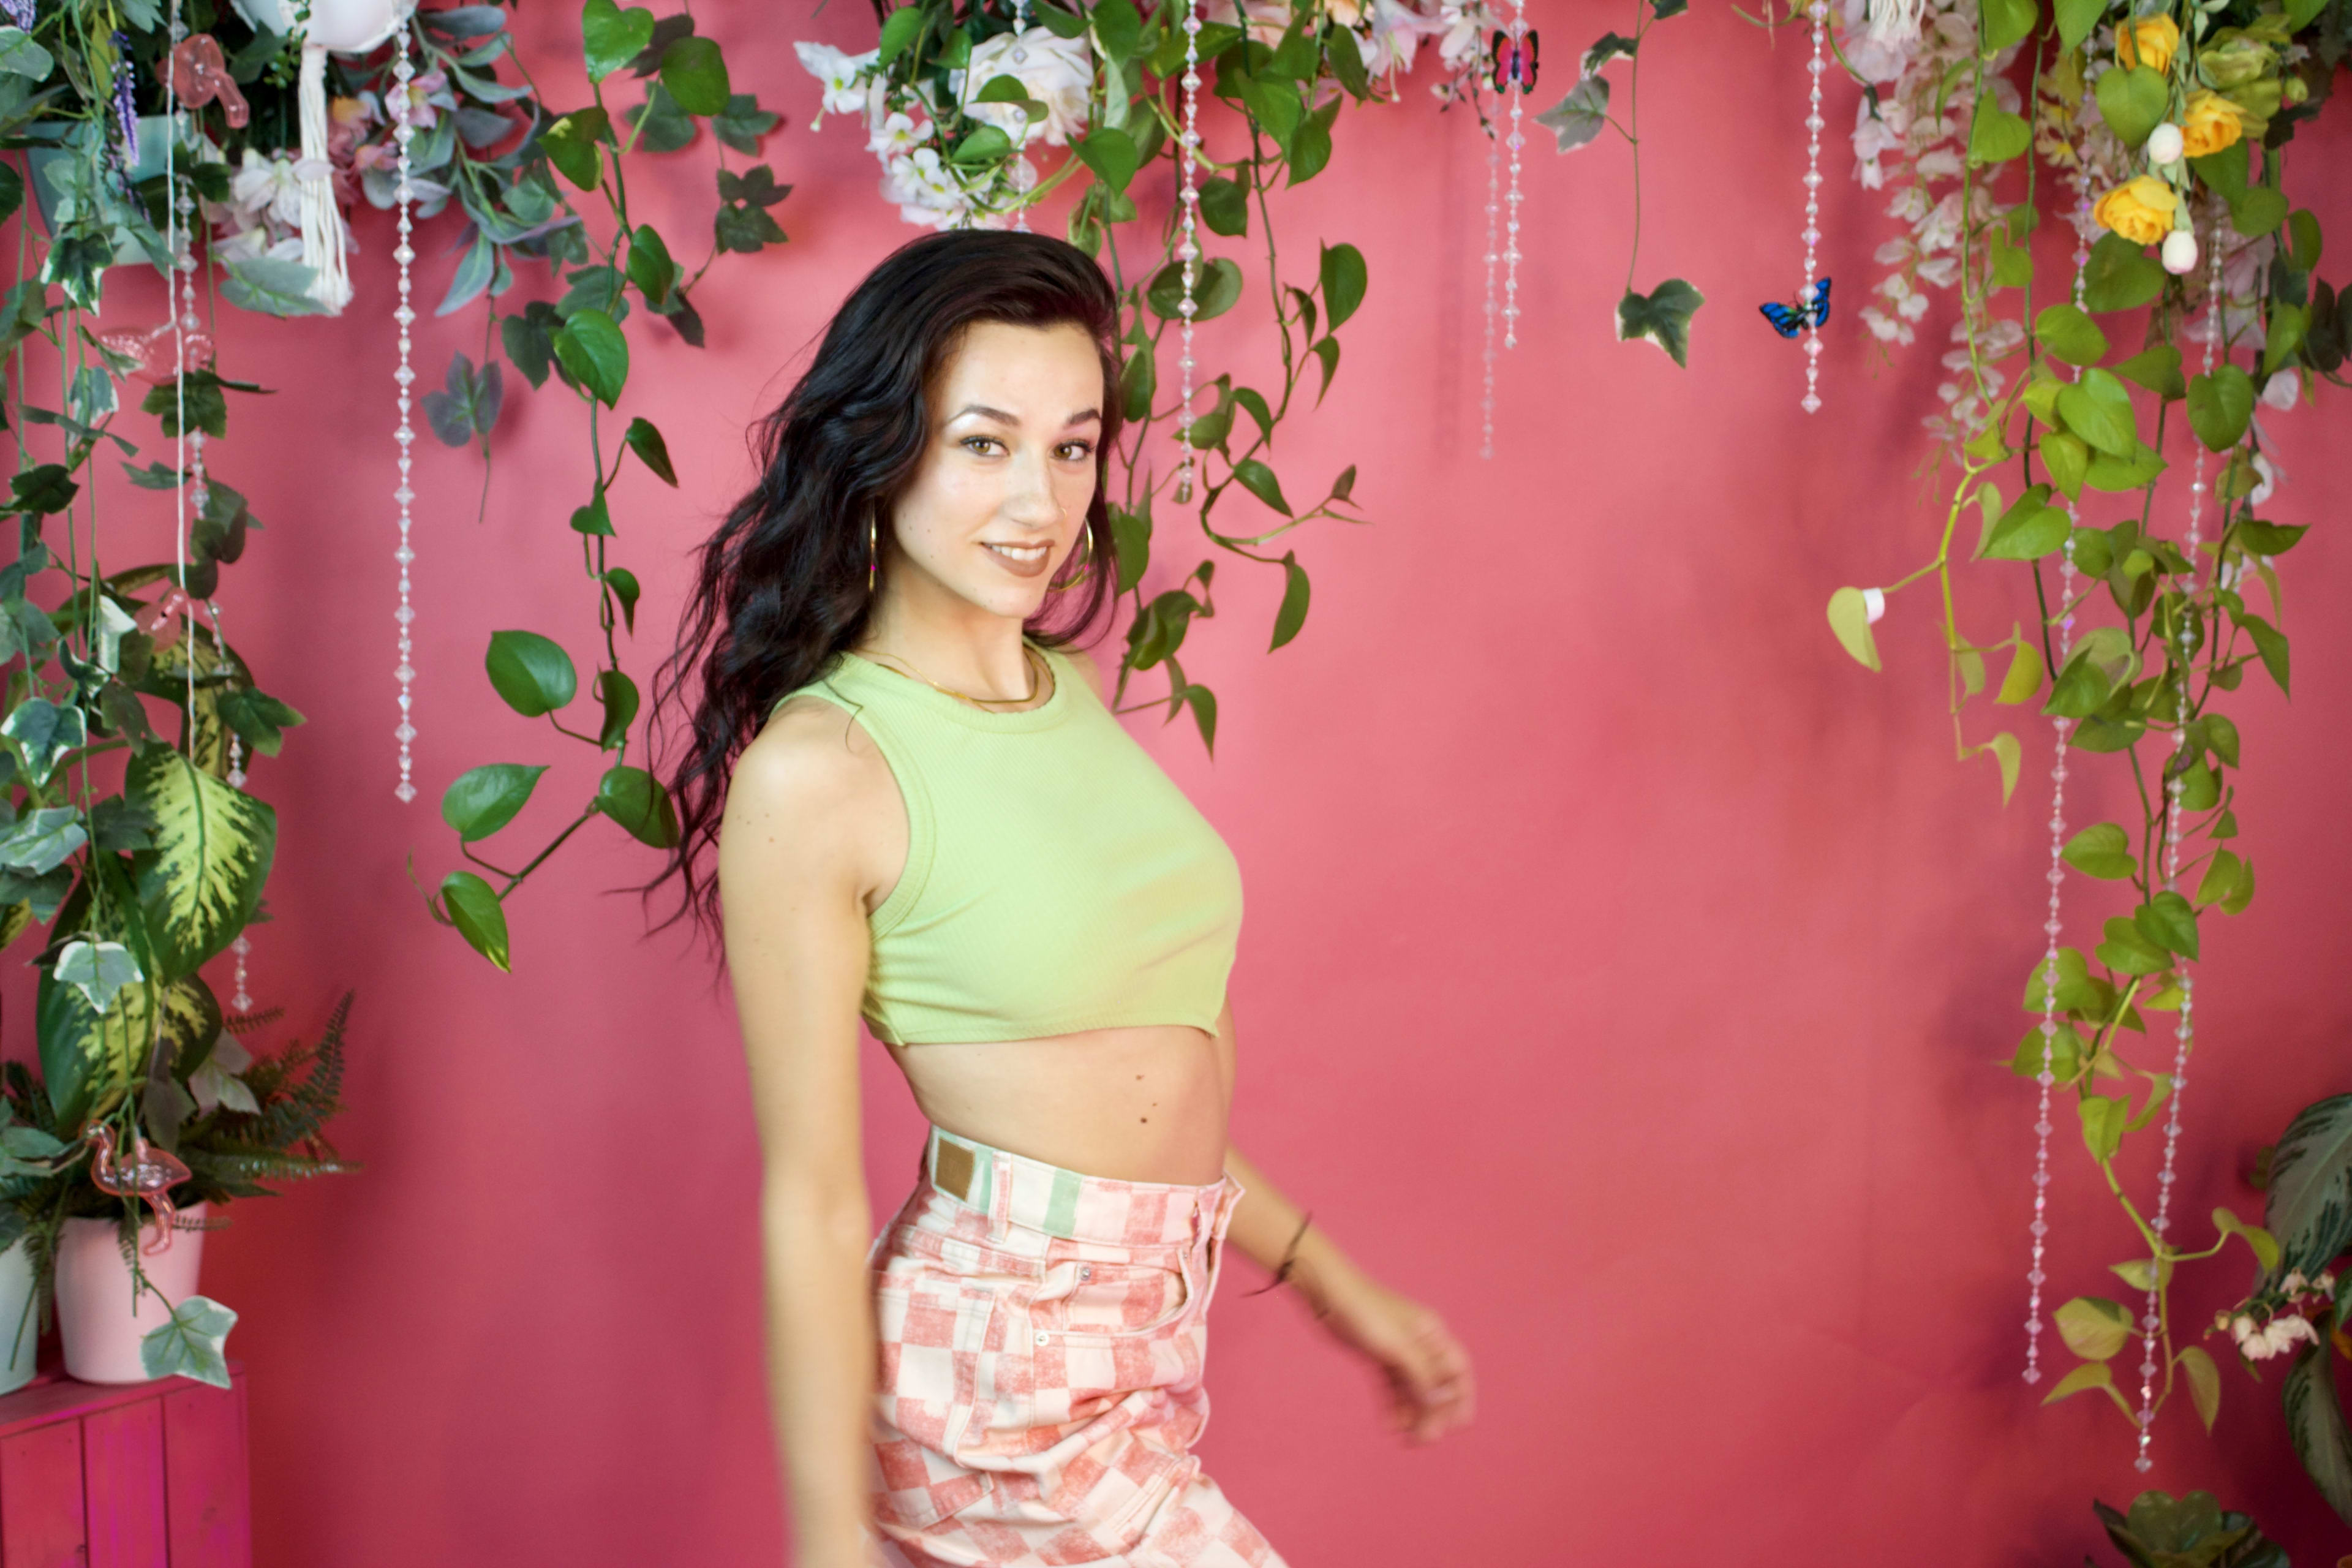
column 2099, row 410
column 650, row 267
column 1294, row 593
column 1662, row 316
column 637, row 800
column 2220, row 405
column 1850, row 619
column 2093, row 1327
column 532, row 673
column 1224, row 206
column 190, row 1342
column 660, row 124
column 2102, row 850
column 573, row 145
column 1343, row 281
column 2070, row 335
column 2167, row 919
column 1996, row 136
column 1577, row 119
column 473, row 908
column 483, row 800
column 2128, row 951
column 2132, row 101
column 2006, row 22
column 646, row 442
column 743, row 123
column 1607, row 47
column 1111, row 154
column 2156, row 369
column 695, row 74
column 271, row 286
column 612, row 37
column 624, row 583
column 593, row 349
column 2119, row 276
column 2076, row 20
column 1259, row 481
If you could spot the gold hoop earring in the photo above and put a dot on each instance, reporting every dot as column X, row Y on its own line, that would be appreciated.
column 1084, row 557
column 872, row 553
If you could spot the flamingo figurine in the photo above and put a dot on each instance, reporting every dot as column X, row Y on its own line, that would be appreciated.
column 148, row 1174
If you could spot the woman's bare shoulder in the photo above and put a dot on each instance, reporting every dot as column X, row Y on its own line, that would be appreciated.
column 812, row 765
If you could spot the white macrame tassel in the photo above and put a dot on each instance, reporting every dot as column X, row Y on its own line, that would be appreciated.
column 323, row 226
column 1895, row 21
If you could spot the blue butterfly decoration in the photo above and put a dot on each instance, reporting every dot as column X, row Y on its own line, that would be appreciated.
column 1790, row 320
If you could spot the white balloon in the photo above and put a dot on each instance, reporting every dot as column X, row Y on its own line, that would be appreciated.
column 345, row 27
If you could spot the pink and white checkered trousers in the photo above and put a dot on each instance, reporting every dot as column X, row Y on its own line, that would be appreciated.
column 1043, row 1335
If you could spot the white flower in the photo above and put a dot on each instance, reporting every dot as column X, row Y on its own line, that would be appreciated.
column 1883, row 327
column 1397, row 32
column 1057, row 72
column 2273, row 475
column 2164, row 144
column 843, row 74
column 1268, row 19
column 2282, row 1335
column 2294, row 1283
column 1462, row 32
column 2281, row 392
column 1943, row 271
column 2179, row 252
column 268, row 187
column 923, row 189
column 895, row 135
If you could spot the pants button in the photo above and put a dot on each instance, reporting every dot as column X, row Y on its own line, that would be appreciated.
column 1042, row 1336
column 1085, row 1271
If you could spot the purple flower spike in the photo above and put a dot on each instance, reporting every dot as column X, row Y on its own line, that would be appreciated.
column 19, row 13
column 126, row 110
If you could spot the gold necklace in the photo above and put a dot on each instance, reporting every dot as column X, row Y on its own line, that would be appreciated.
column 1027, row 660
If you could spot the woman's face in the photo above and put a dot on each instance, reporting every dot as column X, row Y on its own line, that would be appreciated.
column 999, row 498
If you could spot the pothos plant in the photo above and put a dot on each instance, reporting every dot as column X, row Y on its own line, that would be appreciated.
column 2196, row 296
column 579, row 340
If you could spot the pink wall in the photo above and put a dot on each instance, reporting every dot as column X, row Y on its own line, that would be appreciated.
column 1624, row 970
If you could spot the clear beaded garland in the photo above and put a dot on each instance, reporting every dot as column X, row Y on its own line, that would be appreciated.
column 1515, row 140
column 1020, row 57
column 402, row 71
column 1188, row 248
column 2184, row 1033
column 2046, row 1079
column 1494, row 254
column 1819, row 14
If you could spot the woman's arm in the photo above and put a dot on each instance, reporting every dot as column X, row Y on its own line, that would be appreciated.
column 1431, row 1390
column 790, row 870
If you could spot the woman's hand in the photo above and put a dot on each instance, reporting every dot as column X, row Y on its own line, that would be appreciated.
column 1428, row 1372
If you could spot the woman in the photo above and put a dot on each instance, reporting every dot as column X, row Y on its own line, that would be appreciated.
column 924, row 815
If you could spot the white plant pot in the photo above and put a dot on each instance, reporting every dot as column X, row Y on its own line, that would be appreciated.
column 95, row 1313
column 20, row 1320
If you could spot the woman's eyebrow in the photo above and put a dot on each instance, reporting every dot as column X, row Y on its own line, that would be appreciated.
column 1083, row 416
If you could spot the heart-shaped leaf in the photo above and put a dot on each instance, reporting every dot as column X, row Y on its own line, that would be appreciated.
column 2132, row 101
column 2220, row 405
column 612, row 37
column 483, row 800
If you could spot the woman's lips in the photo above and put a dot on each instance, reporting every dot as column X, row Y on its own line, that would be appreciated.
column 1021, row 560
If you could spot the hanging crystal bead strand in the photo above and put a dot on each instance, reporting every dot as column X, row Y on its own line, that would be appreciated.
column 1515, row 140
column 1494, row 254
column 1020, row 56
column 1819, row 12
column 2184, row 1033
column 402, row 71
column 2047, row 1078
column 240, row 1000
column 1188, row 248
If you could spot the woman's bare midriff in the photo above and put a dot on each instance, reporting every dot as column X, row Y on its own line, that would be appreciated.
column 1140, row 1104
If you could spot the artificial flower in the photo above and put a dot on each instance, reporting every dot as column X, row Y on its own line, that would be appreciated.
column 2209, row 123
column 1347, row 13
column 1266, row 20
column 268, row 187
column 843, row 74
column 2141, row 209
column 2179, row 252
column 1057, row 72
column 2151, row 43
column 2230, row 58
column 2164, row 144
column 897, row 135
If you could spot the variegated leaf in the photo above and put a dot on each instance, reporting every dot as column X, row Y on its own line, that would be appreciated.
column 214, row 844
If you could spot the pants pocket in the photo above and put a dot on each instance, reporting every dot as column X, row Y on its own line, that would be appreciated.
column 930, row 1332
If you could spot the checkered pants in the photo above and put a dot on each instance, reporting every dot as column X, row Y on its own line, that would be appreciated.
column 1043, row 1339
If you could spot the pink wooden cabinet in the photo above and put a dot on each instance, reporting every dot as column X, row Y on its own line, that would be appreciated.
column 148, row 1475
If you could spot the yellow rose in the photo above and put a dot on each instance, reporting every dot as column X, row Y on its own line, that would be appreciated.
column 2140, row 210
column 2152, row 43
column 2209, row 123
column 1347, row 13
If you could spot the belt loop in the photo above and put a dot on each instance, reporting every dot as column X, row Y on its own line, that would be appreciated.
column 1000, row 1207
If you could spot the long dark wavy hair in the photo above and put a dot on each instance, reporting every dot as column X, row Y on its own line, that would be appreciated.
column 781, row 588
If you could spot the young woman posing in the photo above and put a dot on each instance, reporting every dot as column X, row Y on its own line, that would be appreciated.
column 925, row 816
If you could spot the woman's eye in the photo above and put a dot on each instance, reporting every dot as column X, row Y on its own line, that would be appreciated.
column 1076, row 451
column 979, row 444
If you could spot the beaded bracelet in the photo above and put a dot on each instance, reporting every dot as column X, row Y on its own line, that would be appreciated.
column 1289, row 1257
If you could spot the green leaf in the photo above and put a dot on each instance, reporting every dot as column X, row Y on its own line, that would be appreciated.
column 532, row 674
column 2008, row 22
column 2116, row 475
column 483, row 800
column 2264, row 1244
column 1216, row 289
column 573, row 145
column 2076, row 20
column 1293, row 614
column 2132, row 101
column 20, row 56
column 190, row 1342
column 2120, row 275
column 2223, row 875
column 1259, row 481
column 2315, row 1421
column 2068, row 460
column 2204, row 1383
column 618, row 696
column 1663, row 317
column 900, row 31
column 1997, row 135
column 2220, row 405
column 661, row 126
column 1111, row 154
column 1224, row 206
column 612, row 37
column 1577, row 119
column 2008, row 755
column 1117, row 29
column 594, row 519
column 2088, row 1374
column 2102, row 850
column 2224, row 172
column 593, row 349
column 2093, row 1327
column 2262, row 538
column 1139, row 379
column 1343, row 281
column 1130, row 535
column 1310, row 144
column 654, row 452
column 637, row 800
column 1204, row 704
column 2070, row 335
column 2024, row 681
column 2268, row 643
column 270, row 286
column 650, row 267
column 2064, row 1050
column 695, row 75
column 2128, row 951
column 743, row 125
column 2168, row 919
column 2304, row 242
column 2258, row 212
column 2308, row 1206
column 2288, row 325
column 1850, row 619
column 624, row 583
column 2027, row 531
column 2099, row 410
column 1326, row 350
column 2156, row 369
column 201, row 883
column 478, row 916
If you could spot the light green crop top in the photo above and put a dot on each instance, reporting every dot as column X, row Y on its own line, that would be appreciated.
column 1055, row 880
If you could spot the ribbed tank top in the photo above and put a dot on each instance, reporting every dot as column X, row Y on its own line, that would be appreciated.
column 1057, row 880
